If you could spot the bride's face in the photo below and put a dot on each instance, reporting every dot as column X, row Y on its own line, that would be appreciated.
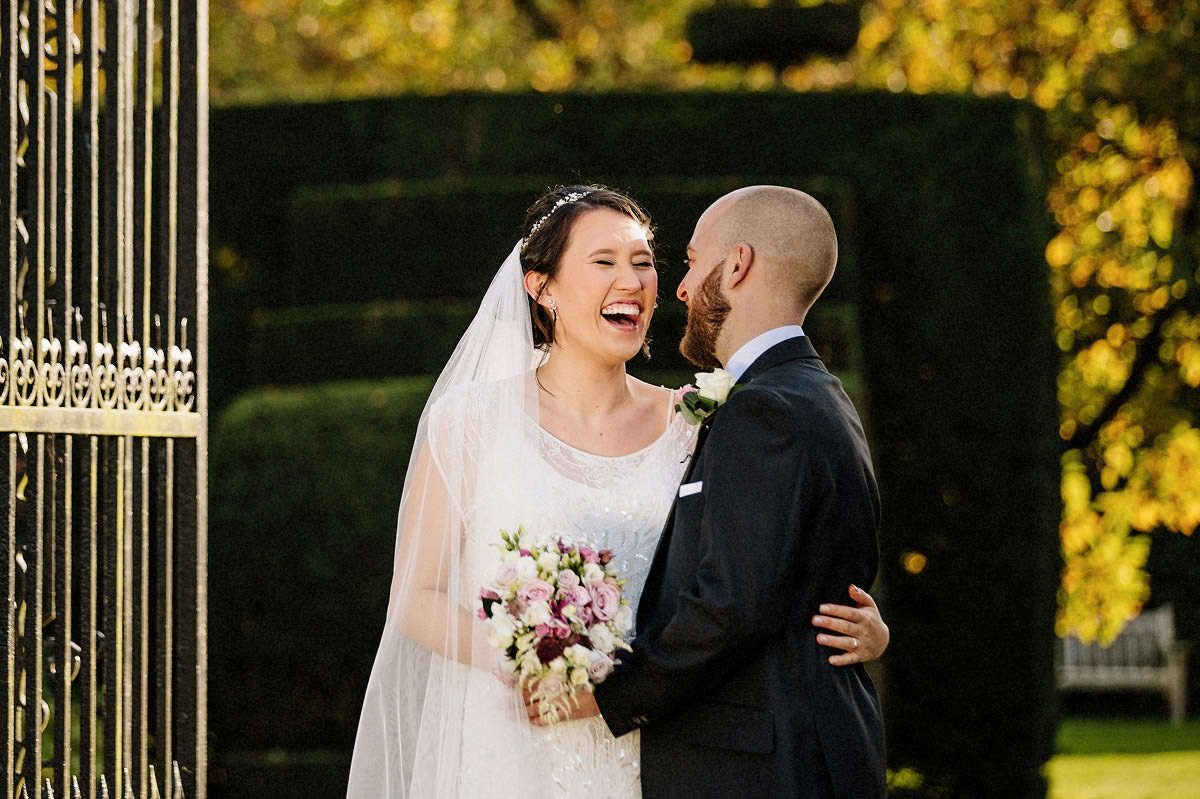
column 605, row 287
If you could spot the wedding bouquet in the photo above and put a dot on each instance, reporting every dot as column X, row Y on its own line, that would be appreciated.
column 555, row 613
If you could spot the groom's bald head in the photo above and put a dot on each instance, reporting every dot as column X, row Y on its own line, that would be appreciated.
column 791, row 233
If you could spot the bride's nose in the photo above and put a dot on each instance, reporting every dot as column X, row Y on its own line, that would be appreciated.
column 628, row 278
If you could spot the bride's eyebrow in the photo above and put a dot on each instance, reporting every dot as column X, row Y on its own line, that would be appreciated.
column 611, row 252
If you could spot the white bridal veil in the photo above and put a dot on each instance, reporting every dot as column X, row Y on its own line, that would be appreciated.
column 410, row 735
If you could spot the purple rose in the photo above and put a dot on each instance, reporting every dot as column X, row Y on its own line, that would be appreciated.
column 606, row 598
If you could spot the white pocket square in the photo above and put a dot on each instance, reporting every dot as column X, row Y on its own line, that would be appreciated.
column 687, row 489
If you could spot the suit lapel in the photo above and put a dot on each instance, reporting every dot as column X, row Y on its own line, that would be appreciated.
column 790, row 349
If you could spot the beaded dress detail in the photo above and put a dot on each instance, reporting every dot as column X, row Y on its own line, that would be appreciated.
column 618, row 503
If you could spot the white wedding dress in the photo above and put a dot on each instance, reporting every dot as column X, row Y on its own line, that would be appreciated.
column 437, row 723
column 617, row 503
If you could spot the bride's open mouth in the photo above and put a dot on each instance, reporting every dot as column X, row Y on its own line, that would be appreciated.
column 624, row 315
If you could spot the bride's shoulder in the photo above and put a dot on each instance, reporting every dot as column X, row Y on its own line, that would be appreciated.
column 650, row 393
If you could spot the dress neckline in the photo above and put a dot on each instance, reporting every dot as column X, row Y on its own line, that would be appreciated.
column 673, row 420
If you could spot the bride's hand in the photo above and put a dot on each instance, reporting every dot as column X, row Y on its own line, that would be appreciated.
column 860, row 629
column 581, row 707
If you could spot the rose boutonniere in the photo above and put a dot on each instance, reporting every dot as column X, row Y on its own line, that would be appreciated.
column 701, row 401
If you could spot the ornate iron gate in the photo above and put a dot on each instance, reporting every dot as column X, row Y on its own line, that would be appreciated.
column 103, row 397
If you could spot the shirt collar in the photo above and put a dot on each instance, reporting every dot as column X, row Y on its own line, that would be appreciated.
column 749, row 352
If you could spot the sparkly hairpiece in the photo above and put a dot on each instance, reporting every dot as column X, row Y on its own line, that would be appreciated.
column 569, row 198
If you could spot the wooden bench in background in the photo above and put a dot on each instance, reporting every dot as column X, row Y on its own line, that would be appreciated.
column 1144, row 657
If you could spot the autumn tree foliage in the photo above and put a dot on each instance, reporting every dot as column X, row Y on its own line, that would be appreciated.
column 1118, row 79
column 1121, row 85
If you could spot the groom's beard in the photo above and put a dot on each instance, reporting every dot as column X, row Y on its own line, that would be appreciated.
column 706, row 317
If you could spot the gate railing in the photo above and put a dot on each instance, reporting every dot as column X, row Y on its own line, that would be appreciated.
column 103, row 413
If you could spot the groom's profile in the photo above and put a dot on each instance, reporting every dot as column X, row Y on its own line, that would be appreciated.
column 778, row 513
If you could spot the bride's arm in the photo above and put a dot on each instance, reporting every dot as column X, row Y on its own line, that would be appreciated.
column 427, row 561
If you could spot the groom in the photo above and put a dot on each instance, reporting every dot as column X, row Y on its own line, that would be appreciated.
column 733, row 692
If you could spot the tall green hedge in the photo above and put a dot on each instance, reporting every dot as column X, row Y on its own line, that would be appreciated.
column 940, row 211
column 302, row 517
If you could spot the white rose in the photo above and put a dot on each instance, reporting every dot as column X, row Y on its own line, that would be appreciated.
column 602, row 638
column 624, row 619
column 548, row 562
column 537, row 613
column 592, row 573
column 714, row 385
column 500, row 630
column 578, row 654
column 580, row 676
column 526, row 568
column 600, row 667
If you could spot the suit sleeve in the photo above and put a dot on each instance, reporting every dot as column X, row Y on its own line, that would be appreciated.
column 758, row 481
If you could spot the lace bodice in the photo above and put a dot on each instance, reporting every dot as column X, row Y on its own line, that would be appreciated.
column 616, row 503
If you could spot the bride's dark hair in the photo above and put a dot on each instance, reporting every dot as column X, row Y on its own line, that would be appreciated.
column 545, row 235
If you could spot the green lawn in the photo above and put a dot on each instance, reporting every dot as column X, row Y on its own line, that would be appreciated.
column 1123, row 759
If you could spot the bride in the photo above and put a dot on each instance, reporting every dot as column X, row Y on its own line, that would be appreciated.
column 535, row 423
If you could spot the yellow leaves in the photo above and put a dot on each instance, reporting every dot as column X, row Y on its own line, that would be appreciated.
column 1175, row 181
column 1061, row 250
column 1176, row 476
column 1076, row 494
column 1103, row 580
column 1188, row 357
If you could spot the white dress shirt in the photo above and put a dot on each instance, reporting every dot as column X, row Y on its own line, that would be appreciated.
column 749, row 352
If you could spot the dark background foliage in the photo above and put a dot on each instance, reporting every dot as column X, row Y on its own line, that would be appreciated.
column 352, row 239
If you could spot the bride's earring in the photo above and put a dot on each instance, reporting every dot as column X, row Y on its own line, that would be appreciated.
column 554, row 309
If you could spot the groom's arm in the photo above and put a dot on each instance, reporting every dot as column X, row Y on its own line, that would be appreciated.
column 763, row 489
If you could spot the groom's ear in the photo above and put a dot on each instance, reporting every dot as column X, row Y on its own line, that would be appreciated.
column 740, row 266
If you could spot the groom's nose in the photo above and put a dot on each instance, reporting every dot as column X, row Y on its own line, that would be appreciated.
column 681, row 292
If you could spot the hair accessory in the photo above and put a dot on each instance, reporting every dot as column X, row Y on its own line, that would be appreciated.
column 569, row 198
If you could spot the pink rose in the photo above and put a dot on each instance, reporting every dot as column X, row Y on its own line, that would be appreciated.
column 536, row 591
column 606, row 598
column 588, row 555
column 542, row 630
column 567, row 580
column 581, row 596
column 505, row 575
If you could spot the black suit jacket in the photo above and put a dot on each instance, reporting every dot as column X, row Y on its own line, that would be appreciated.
column 778, row 514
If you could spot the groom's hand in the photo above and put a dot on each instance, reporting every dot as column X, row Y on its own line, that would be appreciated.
column 861, row 631
column 581, row 707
